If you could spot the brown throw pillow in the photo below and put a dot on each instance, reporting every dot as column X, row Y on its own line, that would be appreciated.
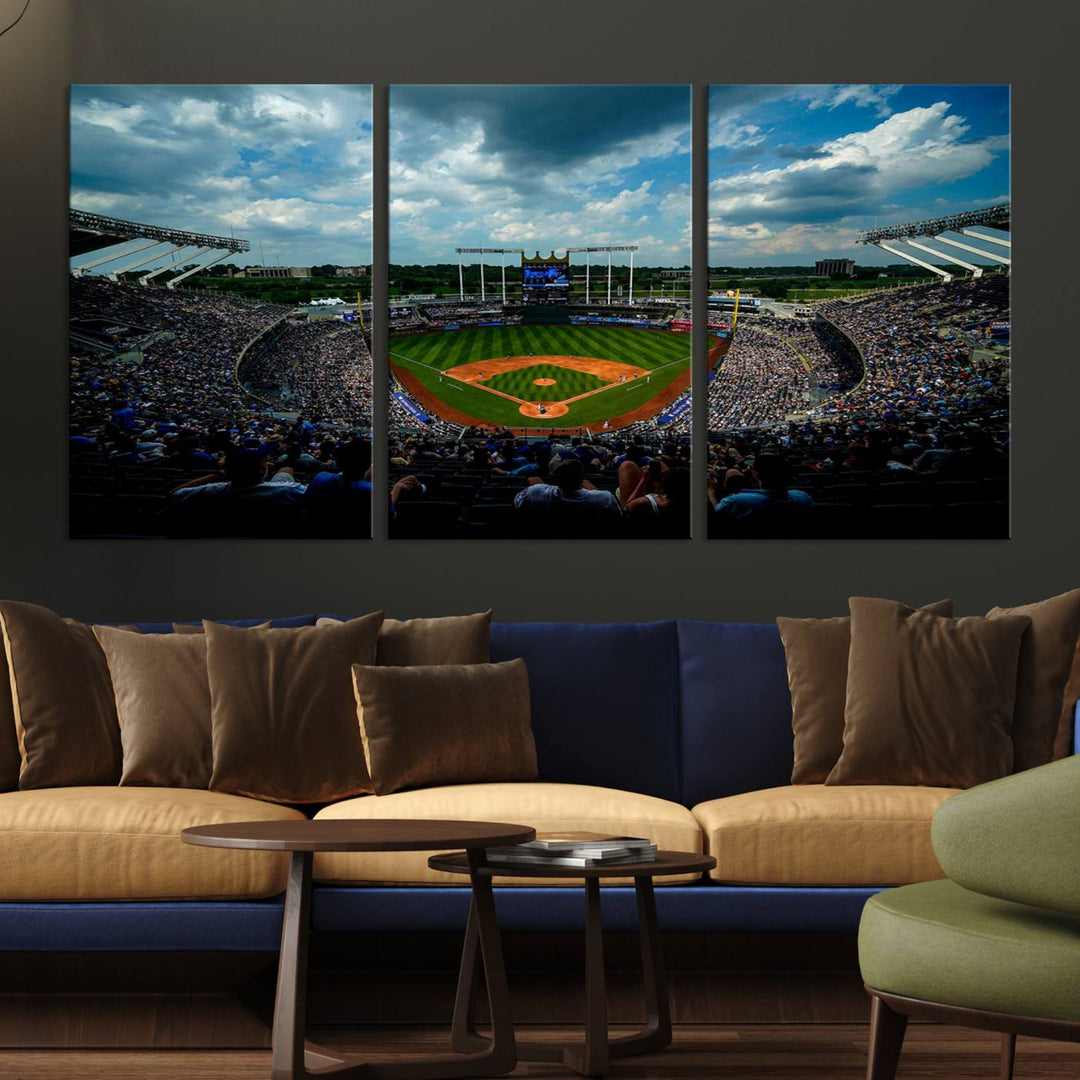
column 163, row 702
column 929, row 699
column 455, row 639
column 9, row 739
column 817, row 662
column 445, row 724
column 62, row 697
column 198, row 628
column 1046, row 656
column 282, row 710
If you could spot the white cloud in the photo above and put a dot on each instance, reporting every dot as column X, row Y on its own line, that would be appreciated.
column 909, row 149
column 289, row 166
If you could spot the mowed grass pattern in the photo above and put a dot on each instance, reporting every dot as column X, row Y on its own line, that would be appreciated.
column 425, row 356
column 522, row 384
column 447, row 349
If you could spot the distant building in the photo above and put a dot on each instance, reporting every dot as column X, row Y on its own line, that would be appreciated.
column 275, row 272
column 351, row 271
column 828, row 267
column 675, row 275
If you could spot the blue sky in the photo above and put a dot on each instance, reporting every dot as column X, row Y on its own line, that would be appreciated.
column 539, row 167
column 289, row 166
column 795, row 172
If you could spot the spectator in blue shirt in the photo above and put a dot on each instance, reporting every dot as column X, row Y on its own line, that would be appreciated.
column 772, row 503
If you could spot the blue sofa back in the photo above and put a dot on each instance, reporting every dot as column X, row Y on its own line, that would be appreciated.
column 605, row 701
column 735, row 710
column 686, row 711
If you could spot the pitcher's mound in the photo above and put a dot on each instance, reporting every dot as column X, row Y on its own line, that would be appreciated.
column 532, row 409
column 543, row 382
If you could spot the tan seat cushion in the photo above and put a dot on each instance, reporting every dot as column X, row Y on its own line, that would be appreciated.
column 123, row 843
column 546, row 807
column 810, row 834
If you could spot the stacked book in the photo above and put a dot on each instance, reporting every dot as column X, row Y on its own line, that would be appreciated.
column 575, row 849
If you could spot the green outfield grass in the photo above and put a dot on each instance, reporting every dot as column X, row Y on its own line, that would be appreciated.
column 425, row 356
column 619, row 398
column 522, row 384
column 447, row 349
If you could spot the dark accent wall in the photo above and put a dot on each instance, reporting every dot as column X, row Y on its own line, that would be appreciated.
column 65, row 41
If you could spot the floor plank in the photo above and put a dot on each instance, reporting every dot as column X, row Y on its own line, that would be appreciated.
column 700, row 1052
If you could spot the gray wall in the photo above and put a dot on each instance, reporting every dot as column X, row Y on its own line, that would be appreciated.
column 70, row 41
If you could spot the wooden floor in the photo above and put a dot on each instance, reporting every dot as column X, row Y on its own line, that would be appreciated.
column 723, row 1052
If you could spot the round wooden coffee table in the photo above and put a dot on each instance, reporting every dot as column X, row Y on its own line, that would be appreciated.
column 590, row 1059
column 291, row 1057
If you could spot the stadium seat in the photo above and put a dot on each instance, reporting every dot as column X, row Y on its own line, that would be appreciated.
column 959, row 491
column 846, row 493
column 89, row 514
column 836, row 519
column 976, row 520
column 492, row 520
column 996, row 489
column 137, row 515
column 461, row 493
column 902, row 491
column 425, row 519
column 904, row 520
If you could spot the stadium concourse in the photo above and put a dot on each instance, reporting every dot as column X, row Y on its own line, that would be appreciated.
column 182, row 400
column 906, row 436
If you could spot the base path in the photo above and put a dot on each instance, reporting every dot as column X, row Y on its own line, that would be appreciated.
column 478, row 370
column 551, row 408
column 438, row 406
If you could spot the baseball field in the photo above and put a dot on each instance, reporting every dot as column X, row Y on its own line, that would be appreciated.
column 557, row 376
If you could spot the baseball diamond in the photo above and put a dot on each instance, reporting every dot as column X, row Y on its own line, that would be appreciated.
column 543, row 375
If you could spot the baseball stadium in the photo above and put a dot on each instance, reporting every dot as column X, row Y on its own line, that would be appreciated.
column 492, row 392
column 884, row 414
column 194, row 413
column 537, row 363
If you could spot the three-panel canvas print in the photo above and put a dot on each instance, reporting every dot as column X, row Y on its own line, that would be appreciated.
column 539, row 330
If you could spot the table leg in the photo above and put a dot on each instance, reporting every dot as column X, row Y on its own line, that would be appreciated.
column 657, row 1031
column 463, row 1034
column 592, row 1059
column 294, row 1059
column 287, row 1056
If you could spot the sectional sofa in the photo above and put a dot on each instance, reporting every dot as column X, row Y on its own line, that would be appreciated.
column 680, row 731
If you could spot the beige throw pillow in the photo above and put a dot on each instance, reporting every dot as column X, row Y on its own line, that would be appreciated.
column 453, row 639
column 163, row 702
column 283, row 715
column 929, row 700
column 9, row 739
column 1046, row 656
column 816, row 651
column 445, row 724
column 62, row 699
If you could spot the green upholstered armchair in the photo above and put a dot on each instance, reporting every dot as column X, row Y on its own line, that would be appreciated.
column 997, row 944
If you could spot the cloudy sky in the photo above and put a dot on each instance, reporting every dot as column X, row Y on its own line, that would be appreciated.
column 796, row 171
column 289, row 166
column 539, row 167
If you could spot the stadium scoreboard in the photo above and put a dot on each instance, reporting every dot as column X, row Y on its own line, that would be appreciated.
column 545, row 280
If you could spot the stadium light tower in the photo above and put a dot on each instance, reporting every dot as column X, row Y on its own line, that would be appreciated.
column 609, row 249
column 482, row 252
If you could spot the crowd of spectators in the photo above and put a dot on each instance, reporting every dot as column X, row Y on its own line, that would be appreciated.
column 496, row 485
column 760, row 381
column 321, row 367
column 919, row 447
column 165, row 441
